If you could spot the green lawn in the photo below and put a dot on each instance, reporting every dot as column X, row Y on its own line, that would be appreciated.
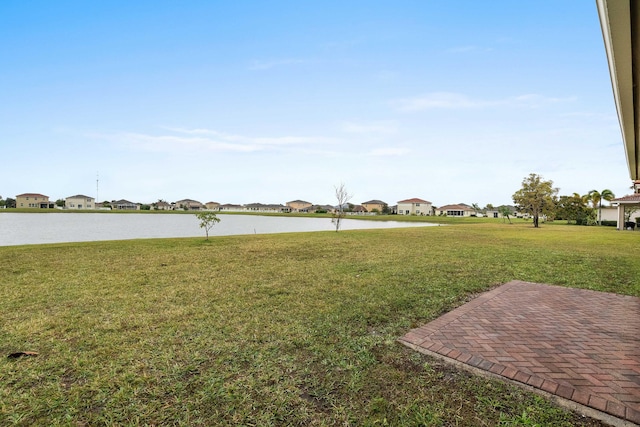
column 290, row 329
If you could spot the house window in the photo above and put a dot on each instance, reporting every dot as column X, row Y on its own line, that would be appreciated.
column 417, row 204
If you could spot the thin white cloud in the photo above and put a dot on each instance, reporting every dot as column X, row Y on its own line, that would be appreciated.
column 382, row 126
column 270, row 141
column 450, row 100
column 207, row 140
column 389, row 151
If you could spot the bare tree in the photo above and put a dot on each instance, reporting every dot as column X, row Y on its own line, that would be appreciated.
column 342, row 197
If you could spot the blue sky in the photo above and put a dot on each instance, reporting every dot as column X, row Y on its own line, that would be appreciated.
column 255, row 101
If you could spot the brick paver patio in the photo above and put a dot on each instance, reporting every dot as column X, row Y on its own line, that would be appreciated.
column 577, row 344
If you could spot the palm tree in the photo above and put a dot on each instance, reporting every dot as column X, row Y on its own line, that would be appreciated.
column 597, row 197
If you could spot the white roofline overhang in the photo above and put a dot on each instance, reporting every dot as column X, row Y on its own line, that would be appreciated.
column 619, row 21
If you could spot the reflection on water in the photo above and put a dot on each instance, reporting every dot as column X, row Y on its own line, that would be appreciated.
column 36, row 228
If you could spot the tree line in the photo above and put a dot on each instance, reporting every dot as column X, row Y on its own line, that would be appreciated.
column 539, row 198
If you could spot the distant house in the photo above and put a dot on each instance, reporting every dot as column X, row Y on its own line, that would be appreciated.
column 414, row 207
column 357, row 210
column 124, row 205
column 459, row 209
column 228, row 207
column 495, row 213
column 212, row 206
column 189, row 205
column 299, row 206
column 322, row 208
column 162, row 206
column 375, row 205
column 261, row 207
column 628, row 207
column 34, row 201
column 79, row 201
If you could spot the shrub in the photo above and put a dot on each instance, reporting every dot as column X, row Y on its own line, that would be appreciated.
column 609, row 223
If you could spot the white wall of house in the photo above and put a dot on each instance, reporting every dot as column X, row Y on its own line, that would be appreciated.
column 454, row 212
column 610, row 213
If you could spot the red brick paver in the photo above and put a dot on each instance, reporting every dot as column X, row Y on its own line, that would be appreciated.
column 578, row 344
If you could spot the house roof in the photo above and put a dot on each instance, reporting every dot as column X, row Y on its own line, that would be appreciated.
column 414, row 200
column 188, row 201
column 79, row 196
column 299, row 201
column 374, row 202
column 31, row 195
column 633, row 198
column 122, row 202
column 265, row 206
column 458, row 207
column 322, row 207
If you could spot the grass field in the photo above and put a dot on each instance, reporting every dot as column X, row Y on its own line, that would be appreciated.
column 290, row 329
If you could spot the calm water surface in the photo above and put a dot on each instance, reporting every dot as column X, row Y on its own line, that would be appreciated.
column 37, row 228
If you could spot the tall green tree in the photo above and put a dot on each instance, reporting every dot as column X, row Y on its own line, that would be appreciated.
column 573, row 208
column 597, row 197
column 537, row 197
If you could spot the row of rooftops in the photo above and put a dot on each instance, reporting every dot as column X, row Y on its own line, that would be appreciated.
column 294, row 205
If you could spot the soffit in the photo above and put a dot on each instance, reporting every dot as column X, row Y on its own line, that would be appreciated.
column 619, row 21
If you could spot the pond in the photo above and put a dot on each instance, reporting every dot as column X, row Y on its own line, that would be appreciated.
column 38, row 228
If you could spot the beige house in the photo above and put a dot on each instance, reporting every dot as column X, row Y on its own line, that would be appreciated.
column 189, row 205
column 230, row 207
column 455, row 210
column 374, row 205
column 79, row 201
column 212, row 206
column 299, row 206
column 162, row 206
column 414, row 206
column 33, row 200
